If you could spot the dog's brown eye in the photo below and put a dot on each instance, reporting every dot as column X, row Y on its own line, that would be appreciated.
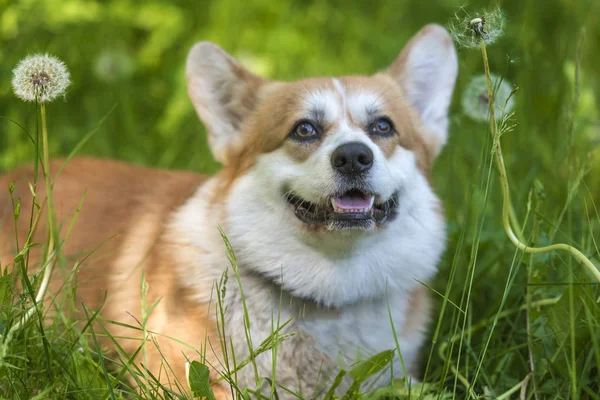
column 382, row 126
column 304, row 131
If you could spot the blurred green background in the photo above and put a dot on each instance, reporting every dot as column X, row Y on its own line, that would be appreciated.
column 132, row 55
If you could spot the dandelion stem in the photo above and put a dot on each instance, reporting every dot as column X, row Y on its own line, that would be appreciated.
column 506, row 204
column 50, row 253
column 49, row 202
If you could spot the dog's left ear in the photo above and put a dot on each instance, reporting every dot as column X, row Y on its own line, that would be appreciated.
column 426, row 69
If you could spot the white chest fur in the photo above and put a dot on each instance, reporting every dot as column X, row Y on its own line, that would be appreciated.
column 325, row 339
column 352, row 275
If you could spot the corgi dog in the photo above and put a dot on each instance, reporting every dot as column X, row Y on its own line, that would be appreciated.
column 324, row 198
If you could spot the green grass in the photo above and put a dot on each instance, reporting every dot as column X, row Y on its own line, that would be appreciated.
column 503, row 320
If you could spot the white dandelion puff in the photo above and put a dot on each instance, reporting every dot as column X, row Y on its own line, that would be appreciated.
column 476, row 102
column 113, row 66
column 468, row 28
column 40, row 78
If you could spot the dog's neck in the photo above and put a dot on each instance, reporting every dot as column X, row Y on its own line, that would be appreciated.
column 267, row 239
column 287, row 298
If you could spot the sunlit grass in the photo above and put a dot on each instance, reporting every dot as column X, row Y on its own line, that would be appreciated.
column 506, row 323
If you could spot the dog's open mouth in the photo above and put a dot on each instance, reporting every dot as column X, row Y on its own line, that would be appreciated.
column 353, row 209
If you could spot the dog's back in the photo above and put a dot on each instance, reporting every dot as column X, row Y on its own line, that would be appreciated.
column 112, row 218
column 101, row 199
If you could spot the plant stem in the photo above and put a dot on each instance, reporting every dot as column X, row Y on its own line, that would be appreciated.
column 521, row 385
column 49, row 205
column 484, row 324
column 506, row 204
column 50, row 253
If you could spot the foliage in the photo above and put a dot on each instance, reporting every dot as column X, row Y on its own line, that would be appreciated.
column 132, row 55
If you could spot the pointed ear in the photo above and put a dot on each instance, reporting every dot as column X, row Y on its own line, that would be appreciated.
column 426, row 69
column 223, row 92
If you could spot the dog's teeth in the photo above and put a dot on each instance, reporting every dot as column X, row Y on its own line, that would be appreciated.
column 335, row 207
column 342, row 210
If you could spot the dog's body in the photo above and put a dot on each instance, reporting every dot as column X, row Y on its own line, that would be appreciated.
column 324, row 197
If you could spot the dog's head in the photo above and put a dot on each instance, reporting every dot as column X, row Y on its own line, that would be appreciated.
column 327, row 158
column 341, row 151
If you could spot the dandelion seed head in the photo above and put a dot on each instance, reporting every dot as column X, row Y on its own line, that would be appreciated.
column 476, row 102
column 113, row 66
column 40, row 77
column 466, row 28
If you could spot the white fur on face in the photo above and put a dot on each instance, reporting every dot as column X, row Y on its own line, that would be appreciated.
column 315, row 179
column 334, row 268
column 338, row 267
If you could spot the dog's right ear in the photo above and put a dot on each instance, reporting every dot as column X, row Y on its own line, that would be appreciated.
column 223, row 92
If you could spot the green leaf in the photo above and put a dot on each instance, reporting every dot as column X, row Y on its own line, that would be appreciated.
column 17, row 211
column 338, row 380
column 199, row 381
column 245, row 394
column 365, row 369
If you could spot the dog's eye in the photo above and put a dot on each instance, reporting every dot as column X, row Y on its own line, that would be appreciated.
column 304, row 130
column 382, row 126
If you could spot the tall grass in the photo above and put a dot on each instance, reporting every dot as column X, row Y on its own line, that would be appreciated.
column 509, row 324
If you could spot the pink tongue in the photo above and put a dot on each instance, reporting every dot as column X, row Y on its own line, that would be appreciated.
column 352, row 201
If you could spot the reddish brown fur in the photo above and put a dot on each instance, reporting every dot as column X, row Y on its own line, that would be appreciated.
column 136, row 203
column 419, row 311
column 132, row 203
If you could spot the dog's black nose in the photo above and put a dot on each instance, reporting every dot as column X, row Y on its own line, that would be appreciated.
column 352, row 158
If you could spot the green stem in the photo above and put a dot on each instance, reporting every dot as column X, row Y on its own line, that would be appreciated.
column 519, row 386
column 508, row 215
column 506, row 204
column 50, row 253
column 484, row 324
column 49, row 197
column 515, row 223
